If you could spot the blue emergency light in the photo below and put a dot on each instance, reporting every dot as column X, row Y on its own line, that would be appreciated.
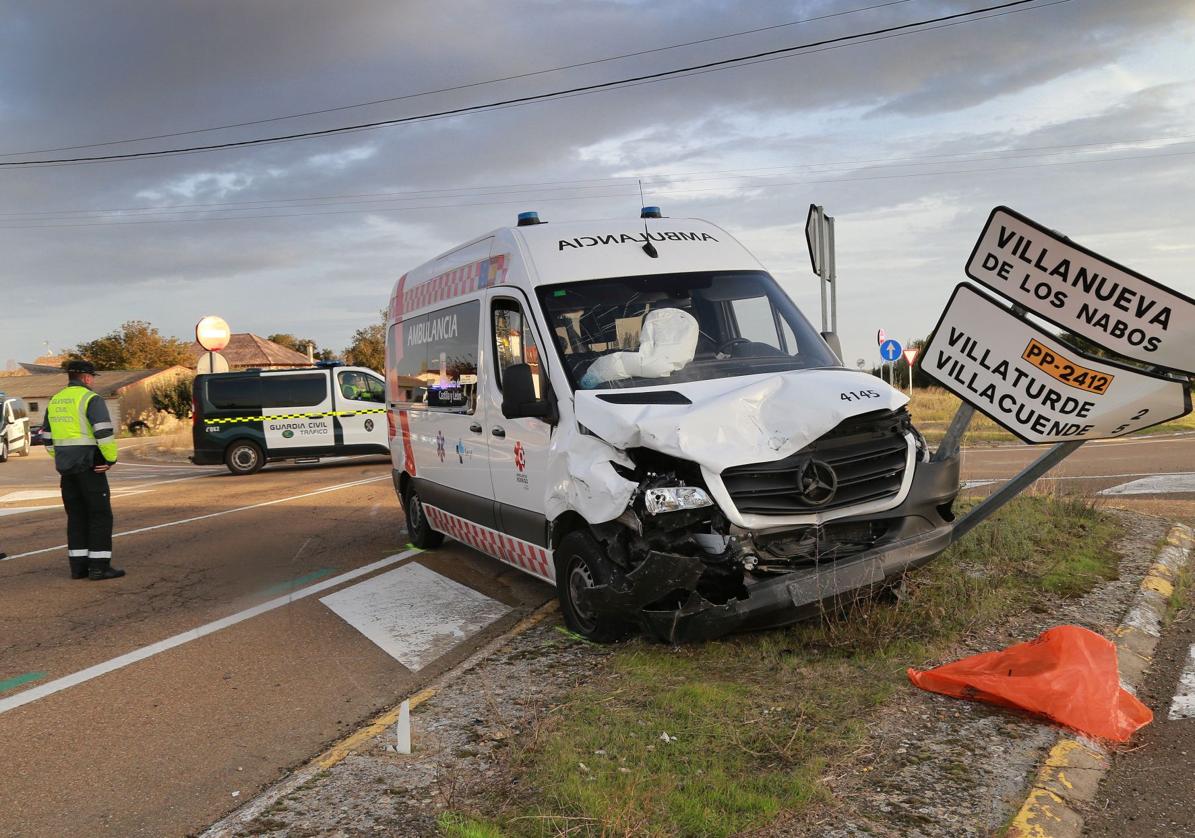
column 526, row 219
column 650, row 212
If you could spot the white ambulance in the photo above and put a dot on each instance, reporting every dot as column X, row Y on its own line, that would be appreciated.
column 634, row 411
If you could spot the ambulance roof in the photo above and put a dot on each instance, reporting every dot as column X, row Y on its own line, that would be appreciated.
column 580, row 250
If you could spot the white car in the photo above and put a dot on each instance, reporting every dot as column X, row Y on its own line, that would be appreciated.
column 14, row 428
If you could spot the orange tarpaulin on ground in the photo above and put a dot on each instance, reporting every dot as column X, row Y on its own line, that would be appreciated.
column 1067, row 674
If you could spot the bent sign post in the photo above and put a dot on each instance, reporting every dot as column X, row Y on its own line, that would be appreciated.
column 1083, row 292
column 1030, row 383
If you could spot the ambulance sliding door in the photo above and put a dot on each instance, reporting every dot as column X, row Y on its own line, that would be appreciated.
column 441, row 349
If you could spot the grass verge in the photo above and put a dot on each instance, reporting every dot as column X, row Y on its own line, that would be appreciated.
column 712, row 739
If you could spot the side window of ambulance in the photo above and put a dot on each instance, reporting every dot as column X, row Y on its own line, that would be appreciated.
column 514, row 342
column 434, row 357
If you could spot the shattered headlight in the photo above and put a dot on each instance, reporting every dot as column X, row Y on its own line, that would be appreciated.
column 675, row 498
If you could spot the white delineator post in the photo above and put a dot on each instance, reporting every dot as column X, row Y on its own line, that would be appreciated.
column 402, row 729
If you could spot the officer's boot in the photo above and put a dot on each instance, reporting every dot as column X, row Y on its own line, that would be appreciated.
column 102, row 569
column 79, row 567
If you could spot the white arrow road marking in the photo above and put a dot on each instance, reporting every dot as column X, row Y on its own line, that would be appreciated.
column 149, row 651
column 1158, row 484
column 413, row 613
column 1183, row 706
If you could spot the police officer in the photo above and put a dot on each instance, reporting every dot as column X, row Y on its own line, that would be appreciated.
column 80, row 437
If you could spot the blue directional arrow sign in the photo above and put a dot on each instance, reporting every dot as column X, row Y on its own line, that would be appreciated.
column 890, row 350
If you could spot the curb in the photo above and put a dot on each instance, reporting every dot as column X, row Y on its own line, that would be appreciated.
column 1075, row 765
column 341, row 749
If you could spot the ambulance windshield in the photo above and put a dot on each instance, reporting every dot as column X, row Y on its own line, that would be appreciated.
column 666, row 328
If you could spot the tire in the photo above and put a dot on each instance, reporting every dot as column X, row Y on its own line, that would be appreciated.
column 4, row 450
column 244, row 457
column 580, row 563
column 27, row 447
column 419, row 530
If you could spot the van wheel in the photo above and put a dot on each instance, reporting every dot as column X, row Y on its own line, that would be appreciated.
column 26, row 447
column 244, row 457
column 418, row 529
column 581, row 563
column 3, row 450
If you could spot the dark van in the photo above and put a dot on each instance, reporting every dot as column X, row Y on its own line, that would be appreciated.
column 246, row 419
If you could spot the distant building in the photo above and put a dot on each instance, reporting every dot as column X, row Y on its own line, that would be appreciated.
column 126, row 392
column 249, row 351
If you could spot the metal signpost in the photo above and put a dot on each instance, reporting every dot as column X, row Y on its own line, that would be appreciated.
column 213, row 334
column 890, row 350
column 819, row 236
column 1030, row 381
column 910, row 359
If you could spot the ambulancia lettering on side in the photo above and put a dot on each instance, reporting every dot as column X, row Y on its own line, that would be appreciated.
column 247, row 419
column 634, row 411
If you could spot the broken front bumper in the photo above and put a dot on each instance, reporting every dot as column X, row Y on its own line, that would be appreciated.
column 924, row 531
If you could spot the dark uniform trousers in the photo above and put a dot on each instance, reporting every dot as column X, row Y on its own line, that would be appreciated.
column 88, row 512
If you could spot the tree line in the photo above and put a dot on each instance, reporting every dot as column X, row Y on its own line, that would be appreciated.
column 139, row 345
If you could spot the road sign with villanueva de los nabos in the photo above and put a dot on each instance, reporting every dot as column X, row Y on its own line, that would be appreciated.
column 1032, row 382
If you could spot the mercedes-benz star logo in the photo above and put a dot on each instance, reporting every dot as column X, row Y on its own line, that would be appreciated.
column 818, row 483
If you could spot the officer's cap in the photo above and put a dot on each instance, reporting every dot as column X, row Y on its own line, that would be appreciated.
column 80, row 368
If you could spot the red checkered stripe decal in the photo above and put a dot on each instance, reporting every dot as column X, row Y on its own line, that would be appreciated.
column 522, row 554
column 456, row 283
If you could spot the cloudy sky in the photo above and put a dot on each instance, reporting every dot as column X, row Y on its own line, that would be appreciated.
column 1079, row 114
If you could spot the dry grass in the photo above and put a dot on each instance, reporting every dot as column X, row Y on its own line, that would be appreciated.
column 933, row 408
column 756, row 722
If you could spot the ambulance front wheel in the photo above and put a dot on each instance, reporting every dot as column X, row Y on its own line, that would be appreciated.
column 418, row 529
column 244, row 457
column 581, row 563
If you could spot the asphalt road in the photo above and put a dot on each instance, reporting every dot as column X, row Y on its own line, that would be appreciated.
column 185, row 697
column 159, row 746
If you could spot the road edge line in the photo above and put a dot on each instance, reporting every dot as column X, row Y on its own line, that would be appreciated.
column 1074, row 767
column 345, row 746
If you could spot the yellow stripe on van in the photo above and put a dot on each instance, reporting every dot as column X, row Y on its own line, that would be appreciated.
column 234, row 419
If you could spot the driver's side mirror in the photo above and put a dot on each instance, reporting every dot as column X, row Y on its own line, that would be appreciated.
column 519, row 399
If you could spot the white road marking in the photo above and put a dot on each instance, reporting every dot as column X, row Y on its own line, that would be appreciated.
column 1183, row 706
column 1159, row 484
column 1098, row 443
column 17, row 510
column 414, row 614
column 83, row 675
column 324, row 490
column 37, row 494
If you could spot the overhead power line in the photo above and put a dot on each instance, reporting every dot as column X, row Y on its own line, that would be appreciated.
column 875, row 34
column 628, row 193
column 459, row 87
column 666, row 181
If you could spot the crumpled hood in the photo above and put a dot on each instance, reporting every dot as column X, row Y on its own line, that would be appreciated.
column 736, row 421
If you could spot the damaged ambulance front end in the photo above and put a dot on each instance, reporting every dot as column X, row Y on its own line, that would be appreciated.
column 733, row 473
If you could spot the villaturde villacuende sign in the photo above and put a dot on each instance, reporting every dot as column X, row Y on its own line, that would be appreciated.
column 1083, row 292
column 1028, row 380
column 1039, row 389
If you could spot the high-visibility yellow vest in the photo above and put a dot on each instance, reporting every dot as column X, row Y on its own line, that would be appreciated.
column 66, row 415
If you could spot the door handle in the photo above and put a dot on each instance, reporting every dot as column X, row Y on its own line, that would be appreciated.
column 350, row 413
column 498, row 432
column 475, row 428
